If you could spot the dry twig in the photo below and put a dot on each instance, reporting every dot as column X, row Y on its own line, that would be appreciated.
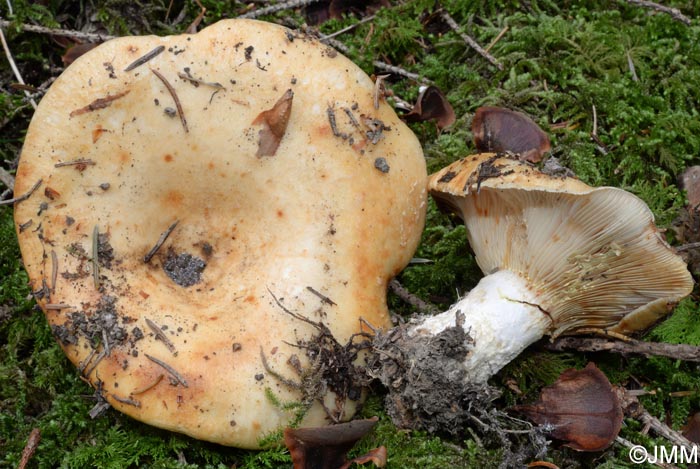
column 589, row 344
column 634, row 409
column 7, row 179
column 30, row 448
column 468, row 39
column 674, row 12
column 277, row 8
column 78, row 35
column 400, row 291
column 14, row 68
column 688, row 247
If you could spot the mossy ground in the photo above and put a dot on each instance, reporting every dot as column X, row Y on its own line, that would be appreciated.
column 636, row 70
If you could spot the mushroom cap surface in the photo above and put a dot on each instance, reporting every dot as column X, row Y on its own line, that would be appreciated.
column 319, row 221
column 593, row 255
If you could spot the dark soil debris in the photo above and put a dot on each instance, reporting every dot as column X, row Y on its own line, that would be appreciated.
column 105, row 252
column 91, row 324
column 184, row 269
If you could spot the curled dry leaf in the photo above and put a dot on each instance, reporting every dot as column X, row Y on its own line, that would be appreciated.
column 327, row 447
column 580, row 408
column 274, row 122
column 320, row 12
column 498, row 130
column 691, row 430
column 75, row 51
column 432, row 105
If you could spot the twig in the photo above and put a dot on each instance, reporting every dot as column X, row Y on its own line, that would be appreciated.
column 95, row 256
column 400, row 291
column 160, row 335
column 377, row 63
column 168, row 368
column 22, row 197
column 496, row 39
column 79, row 35
column 688, row 247
column 148, row 387
column 470, row 42
column 7, row 179
column 630, row 64
column 30, row 448
column 56, row 306
column 54, row 270
column 172, row 92
column 351, row 27
column 163, row 237
column 324, row 298
column 126, row 400
column 288, row 5
column 630, row 445
column 14, row 68
column 594, row 132
column 674, row 12
column 144, row 58
column 588, row 344
column 78, row 162
column 633, row 408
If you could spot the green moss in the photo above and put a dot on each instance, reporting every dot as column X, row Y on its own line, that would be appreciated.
column 560, row 62
column 681, row 327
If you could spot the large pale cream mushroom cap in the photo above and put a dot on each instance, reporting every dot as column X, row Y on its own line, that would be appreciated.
column 320, row 222
column 592, row 256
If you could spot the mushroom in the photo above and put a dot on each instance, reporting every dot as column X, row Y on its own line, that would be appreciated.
column 171, row 238
column 560, row 257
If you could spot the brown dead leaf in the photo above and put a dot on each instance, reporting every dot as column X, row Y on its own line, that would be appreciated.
column 499, row 129
column 320, row 12
column 691, row 430
column 274, row 122
column 580, row 408
column 432, row 104
column 75, row 51
column 327, row 447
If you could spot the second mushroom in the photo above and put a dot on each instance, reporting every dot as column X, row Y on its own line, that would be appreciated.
column 560, row 257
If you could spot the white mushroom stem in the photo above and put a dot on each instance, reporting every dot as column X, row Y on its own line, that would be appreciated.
column 501, row 317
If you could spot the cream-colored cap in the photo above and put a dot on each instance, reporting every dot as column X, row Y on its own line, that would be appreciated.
column 318, row 220
column 593, row 255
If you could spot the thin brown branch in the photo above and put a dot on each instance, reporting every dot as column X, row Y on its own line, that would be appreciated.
column 496, row 39
column 7, row 179
column 377, row 63
column 160, row 335
column 168, row 368
column 634, row 409
column 351, row 27
column 688, row 247
column 172, row 92
column 408, row 297
column 78, row 35
column 14, row 68
column 30, row 448
column 628, row 444
column 22, row 197
column 591, row 344
column 288, row 5
column 469, row 41
column 674, row 12
column 163, row 237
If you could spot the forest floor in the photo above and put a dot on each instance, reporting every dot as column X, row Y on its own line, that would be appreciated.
column 615, row 85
